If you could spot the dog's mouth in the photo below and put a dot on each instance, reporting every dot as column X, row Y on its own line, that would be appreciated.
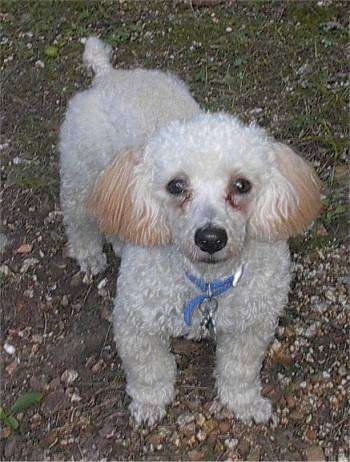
column 211, row 260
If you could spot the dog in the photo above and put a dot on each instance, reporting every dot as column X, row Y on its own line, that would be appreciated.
column 199, row 206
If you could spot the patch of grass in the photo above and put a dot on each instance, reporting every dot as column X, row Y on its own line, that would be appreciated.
column 119, row 376
column 37, row 178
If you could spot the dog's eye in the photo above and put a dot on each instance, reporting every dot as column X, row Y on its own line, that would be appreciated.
column 241, row 186
column 176, row 186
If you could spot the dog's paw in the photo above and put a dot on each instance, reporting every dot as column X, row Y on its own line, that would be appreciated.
column 93, row 264
column 247, row 405
column 146, row 413
column 259, row 409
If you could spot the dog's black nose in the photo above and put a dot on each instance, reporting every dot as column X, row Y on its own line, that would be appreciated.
column 210, row 238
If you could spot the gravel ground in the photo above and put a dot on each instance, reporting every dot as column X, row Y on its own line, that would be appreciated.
column 282, row 64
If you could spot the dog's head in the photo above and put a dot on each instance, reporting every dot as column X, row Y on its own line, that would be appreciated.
column 206, row 185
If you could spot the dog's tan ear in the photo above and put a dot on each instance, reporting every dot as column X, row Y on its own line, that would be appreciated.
column 123, row 205
column 290, row 199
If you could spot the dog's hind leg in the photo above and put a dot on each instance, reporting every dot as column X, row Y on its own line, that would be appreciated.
column 85, row 242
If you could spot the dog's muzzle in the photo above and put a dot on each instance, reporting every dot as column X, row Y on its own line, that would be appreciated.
column 210, row 238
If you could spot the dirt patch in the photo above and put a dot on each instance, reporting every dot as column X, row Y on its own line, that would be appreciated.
column 283, row 65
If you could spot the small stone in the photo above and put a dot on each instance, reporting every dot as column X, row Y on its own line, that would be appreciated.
column 243, row 447
column 276, row 346
column 27, row 264
column 37, row 338
column 5, row 270
column 75, row 398
column 320, row 307
column 193, row 405
column 28, row 293
column 201, row 436
column 310, row 434
column 98, row 366
column 224, row 426
column 196, row 455
column 297, row 416
column 184, row 419
column 302, row 384
column 24, row 249
column 69, row 376
column 156, row 439
column 188, row 429
column 315, row 453
column 330, row 295
column 5, row 433
column 342, row 370
column 200, row 420
column 228, row 29
column 10, row 349
column 11, row 368
column 65, row 301
column 35, row 421
column 311, row 330
column 102, row 284
column 291, row 402
column 231, row 443
column 76, row 279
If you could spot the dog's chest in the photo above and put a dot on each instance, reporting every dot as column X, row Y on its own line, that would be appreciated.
column 188, row 313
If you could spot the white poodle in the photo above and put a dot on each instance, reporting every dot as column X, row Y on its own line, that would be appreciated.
column 199, row 206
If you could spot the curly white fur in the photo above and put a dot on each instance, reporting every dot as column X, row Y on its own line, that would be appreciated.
column 122, row 141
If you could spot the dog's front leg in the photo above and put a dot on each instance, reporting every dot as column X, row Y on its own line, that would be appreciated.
column 150, row 372
column 239, row 359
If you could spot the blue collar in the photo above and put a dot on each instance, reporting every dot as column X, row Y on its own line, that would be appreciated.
column 210, row 290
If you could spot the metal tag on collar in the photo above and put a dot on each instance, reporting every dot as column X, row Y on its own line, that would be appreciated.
column 208, row 309
column 237, row 276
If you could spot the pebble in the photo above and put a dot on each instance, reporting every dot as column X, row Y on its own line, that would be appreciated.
column 185, row 419
column 330, row 295
column 11, row 368
column 243, row 447
column 24, row 248
column 10, row 349
column 65, row 301
column 231, row 443
column 5, row 270
column 200, row 420
column 156, row 439
column 98, row 366
column 69, row 376
column 297, row 416
column 102, row 284
column 28, row 263
column 291, row 402
column 196, row 455
column 224, row 426
column 342, row 370
column 75, row 398
column 315, row 453
column 201, row 436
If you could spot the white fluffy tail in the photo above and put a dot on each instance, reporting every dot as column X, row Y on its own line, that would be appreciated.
column 97, row 55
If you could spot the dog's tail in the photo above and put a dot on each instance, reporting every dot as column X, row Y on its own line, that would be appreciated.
column 97, row 55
